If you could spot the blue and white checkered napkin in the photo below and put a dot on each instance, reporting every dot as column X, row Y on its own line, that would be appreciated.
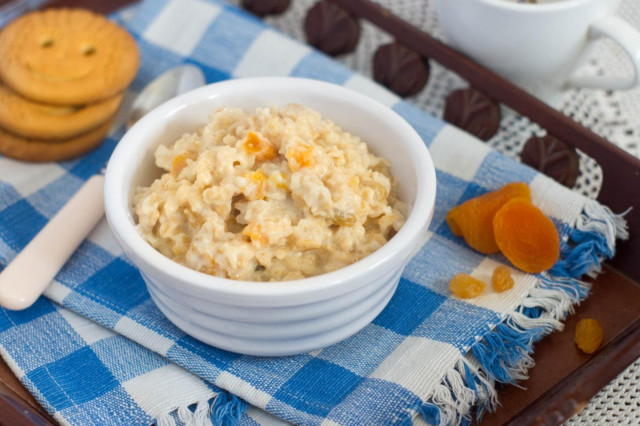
column 98, row 351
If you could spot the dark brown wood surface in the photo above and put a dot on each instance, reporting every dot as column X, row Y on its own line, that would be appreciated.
column 17, row 405
column 563, row 379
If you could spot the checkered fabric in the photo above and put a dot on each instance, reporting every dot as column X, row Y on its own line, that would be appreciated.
column 96, row 350
column 12, row 9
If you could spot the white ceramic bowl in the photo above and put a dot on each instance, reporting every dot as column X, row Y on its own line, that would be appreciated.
column 280, row 318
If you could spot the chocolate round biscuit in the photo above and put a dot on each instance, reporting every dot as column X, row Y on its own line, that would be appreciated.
column 400, row 69
column 474, row 112
column 36, row 150
column 552, row 157
column 266, row 7
column 331, row 29
column 30, row 119
column 67, row 57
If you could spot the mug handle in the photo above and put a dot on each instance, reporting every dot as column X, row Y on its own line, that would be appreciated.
column 628, row 38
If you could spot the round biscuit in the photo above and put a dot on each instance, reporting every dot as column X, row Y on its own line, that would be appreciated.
column 67, row 57
column 35, row 150
column 29, row 119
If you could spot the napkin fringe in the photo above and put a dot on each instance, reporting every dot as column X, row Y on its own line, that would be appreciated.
column 591, row 241
column 222, row 409
column 165, row 419
column 227, row 409
column 464, row 386
column 504, row 354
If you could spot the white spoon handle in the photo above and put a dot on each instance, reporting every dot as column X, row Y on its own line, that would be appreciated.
column 33, row 269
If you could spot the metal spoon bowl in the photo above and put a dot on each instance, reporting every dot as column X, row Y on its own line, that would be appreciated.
column 168, row 85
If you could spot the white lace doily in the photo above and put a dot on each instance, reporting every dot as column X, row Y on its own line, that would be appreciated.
column 613, row 115
column 618, row 403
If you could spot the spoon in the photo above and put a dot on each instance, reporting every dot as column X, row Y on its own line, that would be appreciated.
column 33, row 269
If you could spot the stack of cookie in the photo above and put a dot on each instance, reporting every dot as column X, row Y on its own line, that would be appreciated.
column 62, row 72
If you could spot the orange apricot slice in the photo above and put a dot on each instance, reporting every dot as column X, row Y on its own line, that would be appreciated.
column 526, row 236
column 473, row 219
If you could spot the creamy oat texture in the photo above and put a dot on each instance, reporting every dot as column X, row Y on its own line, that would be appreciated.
column 278, row 194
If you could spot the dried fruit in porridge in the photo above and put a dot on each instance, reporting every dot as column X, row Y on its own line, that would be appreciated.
column 300, row 156
column 588, row 335
column 259, row 147
column 178, row 163
column 501, row 279
column 343, row 218
column 473, row 219
column 272, row 195
column 526, row 236
column 465, row 286
column 254, row 189
column 254, row 232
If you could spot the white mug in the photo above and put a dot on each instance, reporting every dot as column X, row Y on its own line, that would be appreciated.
column 539, row 46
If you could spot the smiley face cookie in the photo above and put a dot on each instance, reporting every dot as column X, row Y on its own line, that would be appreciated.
column 66, row 57
column 35, row 150
column 34, row 120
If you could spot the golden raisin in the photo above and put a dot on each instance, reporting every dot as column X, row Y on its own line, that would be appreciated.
column 177, row 164
column 343, row 218
column 379, row 191
column 473, row 219
column 279, row 180
column 300, row 156
column 465, row 286
column 254, row 231
column 261, row 148
column 501, row 279
column 588, row 335
column 256, row 182
column 526, row 236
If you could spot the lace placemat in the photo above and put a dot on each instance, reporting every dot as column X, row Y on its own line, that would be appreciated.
column 613, row 115
column 618, row 403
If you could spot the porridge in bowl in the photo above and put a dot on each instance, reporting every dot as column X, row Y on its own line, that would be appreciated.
column 277, row 194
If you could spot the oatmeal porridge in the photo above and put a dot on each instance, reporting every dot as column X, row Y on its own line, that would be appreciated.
column 277, row 194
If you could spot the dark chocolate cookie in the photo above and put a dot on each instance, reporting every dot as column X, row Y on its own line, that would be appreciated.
column 552, row 157
column 331, row 29
column 474, row 112
column 266, row 7
column 400, row 69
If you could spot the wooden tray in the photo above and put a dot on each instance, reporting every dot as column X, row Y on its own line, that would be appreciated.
column 564, row 379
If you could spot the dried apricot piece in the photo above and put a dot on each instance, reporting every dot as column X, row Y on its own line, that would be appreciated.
column 473, row 219
column 588, row 335
column 526, row 236
column 254, row 232
column 453, row 222
column 300, row 156
column 501, row 279
column 259, row 147
column 465, row 286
